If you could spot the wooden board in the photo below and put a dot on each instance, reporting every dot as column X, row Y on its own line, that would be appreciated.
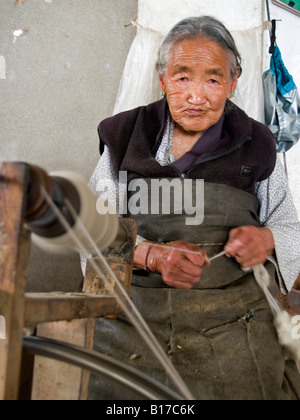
column 55, row 380
column 52, row 307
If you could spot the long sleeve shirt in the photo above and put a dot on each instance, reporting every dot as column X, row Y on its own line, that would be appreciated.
column 277, row 210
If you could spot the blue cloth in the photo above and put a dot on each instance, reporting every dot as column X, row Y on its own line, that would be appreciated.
column 282, row 105
column 285, row 82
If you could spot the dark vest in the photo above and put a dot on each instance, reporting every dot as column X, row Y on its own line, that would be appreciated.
column 245, row 155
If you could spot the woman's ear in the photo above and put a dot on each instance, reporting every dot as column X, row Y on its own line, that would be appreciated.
column 234, row 84
column 162, row 84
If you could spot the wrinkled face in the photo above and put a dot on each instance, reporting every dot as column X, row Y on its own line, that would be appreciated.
column 197, row 83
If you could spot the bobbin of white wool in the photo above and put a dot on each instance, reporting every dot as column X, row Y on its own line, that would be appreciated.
column 285, row 329
column 283, row 321
column 103, row 229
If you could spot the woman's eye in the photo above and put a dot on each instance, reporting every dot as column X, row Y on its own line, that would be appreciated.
column 213, row 81
column 183, row 79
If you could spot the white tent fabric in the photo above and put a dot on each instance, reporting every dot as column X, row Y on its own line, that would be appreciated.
column 140, row 84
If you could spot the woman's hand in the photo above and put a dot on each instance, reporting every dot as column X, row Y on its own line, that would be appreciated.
column 180, row 263
column 250, row 245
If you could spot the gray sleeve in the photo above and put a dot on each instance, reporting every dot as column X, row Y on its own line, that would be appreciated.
column 104, row 184
column 278, row 213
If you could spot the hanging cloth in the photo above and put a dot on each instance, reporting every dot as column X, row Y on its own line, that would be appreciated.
column 282, row 106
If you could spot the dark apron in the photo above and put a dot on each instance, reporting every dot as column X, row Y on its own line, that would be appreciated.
column 220, row 335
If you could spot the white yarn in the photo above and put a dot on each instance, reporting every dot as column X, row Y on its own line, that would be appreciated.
column 283, row 321
column 285, row 327
column 103, row 228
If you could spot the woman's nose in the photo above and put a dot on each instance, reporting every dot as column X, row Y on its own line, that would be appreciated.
column 197, row 94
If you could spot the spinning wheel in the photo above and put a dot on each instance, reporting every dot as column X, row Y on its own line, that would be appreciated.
column 55, row 315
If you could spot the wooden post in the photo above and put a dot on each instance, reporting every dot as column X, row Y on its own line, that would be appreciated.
column 14, row 257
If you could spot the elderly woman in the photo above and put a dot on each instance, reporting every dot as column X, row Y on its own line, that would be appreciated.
column 212, row 319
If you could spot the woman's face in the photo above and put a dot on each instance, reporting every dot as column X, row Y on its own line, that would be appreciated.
column 197, row 83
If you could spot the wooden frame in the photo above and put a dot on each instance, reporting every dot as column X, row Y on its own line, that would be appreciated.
column 14, row 257
column 67, row 316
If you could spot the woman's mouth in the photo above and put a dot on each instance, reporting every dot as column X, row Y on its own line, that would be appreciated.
column 195, row 112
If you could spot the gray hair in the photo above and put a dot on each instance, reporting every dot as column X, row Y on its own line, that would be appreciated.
column 199, row 27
